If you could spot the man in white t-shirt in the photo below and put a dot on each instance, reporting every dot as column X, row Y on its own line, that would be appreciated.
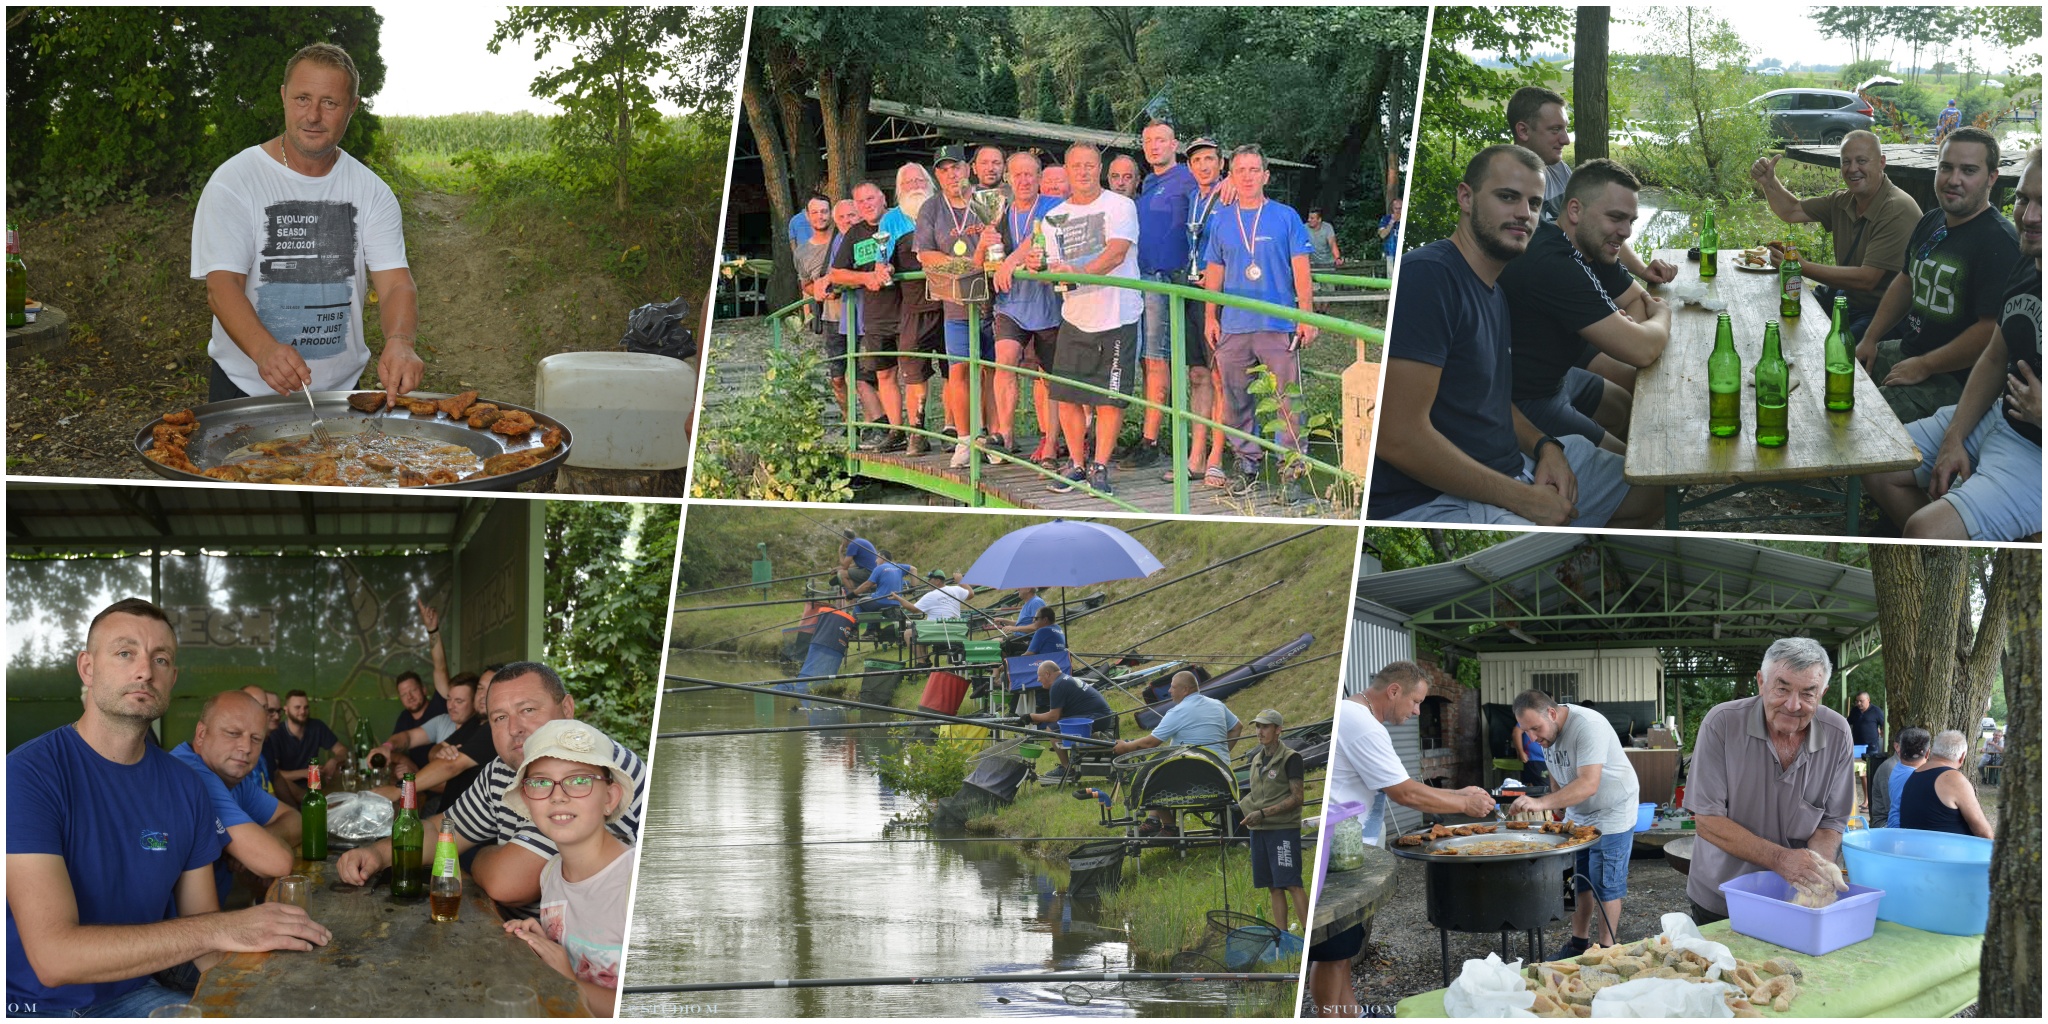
column 1097, row 233
column 945, row 600
column 285, row 236
column 1364, row 769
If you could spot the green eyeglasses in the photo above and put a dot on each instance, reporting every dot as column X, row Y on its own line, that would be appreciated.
column 575, row 785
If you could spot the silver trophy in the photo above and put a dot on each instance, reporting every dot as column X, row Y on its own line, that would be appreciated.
column 1198, row 215
column 988, row 205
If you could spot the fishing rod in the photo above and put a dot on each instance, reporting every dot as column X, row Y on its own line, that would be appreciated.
column 1161, row 841
column 958, row 979
column 828, row 727
column 713, row 645
column 1208, row 568
column 1134, row 647
column 763, row 583
column 919, row 713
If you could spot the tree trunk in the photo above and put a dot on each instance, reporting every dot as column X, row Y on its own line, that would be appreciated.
column 1589, row 84
column 771, row 140
column 843, row 108
column 806, row 162
column 2010, row 984
column 1937, row 667
column 622, row 149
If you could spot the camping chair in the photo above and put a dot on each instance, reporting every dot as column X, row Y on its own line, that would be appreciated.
column 935, row 639
column 1022, row 671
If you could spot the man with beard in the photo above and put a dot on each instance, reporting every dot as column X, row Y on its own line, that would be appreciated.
column 1027, row 312
column 988, row 168
column 1869, row 217
column 1936, row 319
column 949, row 230
column 111, row 844
column 1098, row 341
column 1771, row 785
column 302, row 742
column 1165, row 203
column 924, row 323
column 874, row 310
column 1453, row 447
column 1536, row 121
column 1123, row 176
column 262, row 833
column 1980, row 476
column 1258, row 249
column 432, row 773
column 1568, row 290
column 285, row 234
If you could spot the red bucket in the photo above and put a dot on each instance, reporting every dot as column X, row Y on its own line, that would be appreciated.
column 943, row 692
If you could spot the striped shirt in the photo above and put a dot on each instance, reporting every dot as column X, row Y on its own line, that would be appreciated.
column 480, row 814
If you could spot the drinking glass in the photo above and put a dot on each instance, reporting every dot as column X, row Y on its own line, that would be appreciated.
column 296, row 890
column 511, row 1001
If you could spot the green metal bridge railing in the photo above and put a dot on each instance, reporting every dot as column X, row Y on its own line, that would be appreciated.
column 1177, row 413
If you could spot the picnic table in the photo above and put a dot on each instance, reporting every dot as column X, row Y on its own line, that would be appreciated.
column 1911, row 166
column 388, row 958
column 1349, row 898
column 1897, row 972
column 1669, row 446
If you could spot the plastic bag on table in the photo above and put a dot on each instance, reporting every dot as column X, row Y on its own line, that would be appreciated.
column 1489, row 988
column 1686, row 935
column 359, row 817
column 1662, row 997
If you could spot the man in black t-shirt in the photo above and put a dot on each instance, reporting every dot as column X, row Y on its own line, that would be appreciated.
column 1068, row 697
column 1980, row 474
column 864, row 262
column 1452, row 445
column 1937, row 316
column 1570, row 290
column 294, row 748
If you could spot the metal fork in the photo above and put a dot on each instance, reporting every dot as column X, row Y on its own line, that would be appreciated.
column 319, row 426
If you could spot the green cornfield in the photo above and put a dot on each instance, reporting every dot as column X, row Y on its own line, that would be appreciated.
column 450, row 134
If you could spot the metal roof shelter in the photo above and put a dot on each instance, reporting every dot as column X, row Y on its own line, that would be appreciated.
column 48, row 518
column 1699, row 594
column 892, row 123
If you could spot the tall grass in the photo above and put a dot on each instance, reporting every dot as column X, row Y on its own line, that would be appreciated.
column 449, row 134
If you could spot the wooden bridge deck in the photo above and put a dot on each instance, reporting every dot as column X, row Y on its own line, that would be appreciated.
column 1007, row 485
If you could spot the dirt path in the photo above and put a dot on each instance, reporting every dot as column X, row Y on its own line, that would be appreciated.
column 496, row 296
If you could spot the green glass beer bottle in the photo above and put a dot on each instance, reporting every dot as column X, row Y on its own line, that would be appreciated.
column 1724, row 382
column 313, row 819
column 1710, row 245
column 408, row 844
column 1841, row 368
column 1789, row 285
column 1770, row 391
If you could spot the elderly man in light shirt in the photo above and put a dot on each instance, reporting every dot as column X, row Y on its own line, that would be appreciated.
column 1771, row 784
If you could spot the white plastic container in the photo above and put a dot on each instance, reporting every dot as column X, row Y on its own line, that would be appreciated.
column 625, row 410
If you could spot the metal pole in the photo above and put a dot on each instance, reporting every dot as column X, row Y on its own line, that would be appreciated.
column 932, row 715
column 963, row 979
column 975, row 498
column 1177, row 320
column 851, row 319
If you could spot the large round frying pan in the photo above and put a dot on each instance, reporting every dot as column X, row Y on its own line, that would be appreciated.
column 225, row 428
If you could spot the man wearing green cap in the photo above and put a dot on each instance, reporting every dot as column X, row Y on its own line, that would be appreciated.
column 1271, row 806
column 949, row 231
column 945, row 600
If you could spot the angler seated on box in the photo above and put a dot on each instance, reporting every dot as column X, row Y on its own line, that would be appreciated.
column 1068, row 697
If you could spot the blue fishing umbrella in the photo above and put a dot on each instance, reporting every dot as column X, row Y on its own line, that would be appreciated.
column 1061, row 553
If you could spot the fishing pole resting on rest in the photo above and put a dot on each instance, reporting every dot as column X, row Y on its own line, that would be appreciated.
column 961, row 979
column 920, row 713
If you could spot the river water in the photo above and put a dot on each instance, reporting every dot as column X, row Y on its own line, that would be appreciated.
column 728, row 891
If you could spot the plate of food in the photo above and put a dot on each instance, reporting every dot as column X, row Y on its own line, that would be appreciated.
column 1755, row 259
column 425, row 440
column 1494, row 840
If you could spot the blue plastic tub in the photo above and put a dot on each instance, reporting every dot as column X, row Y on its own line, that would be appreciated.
column 1760, row 906
column 1646, row 815
column 1862, row 749
column 1076, row 727
column 1933, row 881
column 1288, row 944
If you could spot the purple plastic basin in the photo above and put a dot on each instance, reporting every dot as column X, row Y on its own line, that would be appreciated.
column 1760, row 906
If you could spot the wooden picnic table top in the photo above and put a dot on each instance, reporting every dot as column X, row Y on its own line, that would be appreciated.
column 1910, row 161
column 388, row 958
column 1668, row 443
column 1352, row 897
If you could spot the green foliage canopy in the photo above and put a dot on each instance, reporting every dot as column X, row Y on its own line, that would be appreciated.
column 107, row 101
column 609, row 569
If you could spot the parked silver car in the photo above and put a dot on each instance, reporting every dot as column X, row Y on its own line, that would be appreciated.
column 1813, row 115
